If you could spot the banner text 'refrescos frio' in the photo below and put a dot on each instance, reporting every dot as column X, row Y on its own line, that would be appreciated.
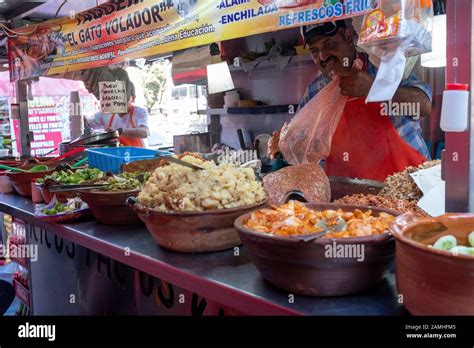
column 128, row 29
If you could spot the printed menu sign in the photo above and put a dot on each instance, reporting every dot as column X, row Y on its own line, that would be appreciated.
column 113, row 97
column 120, row 30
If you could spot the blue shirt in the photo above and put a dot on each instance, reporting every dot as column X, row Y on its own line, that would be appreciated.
column 407, row 127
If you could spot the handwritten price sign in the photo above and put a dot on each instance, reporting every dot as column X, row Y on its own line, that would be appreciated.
column 113, row 97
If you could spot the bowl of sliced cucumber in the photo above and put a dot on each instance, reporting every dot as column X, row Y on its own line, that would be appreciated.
column 435, row 263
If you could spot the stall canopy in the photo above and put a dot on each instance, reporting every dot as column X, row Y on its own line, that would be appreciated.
column 122, row 30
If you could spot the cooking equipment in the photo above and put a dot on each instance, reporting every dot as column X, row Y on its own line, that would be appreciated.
column 303, row 267
column 193, row 142
column 89, row 141
column 431, row 281
column 66, row 188
column 192, row 232
column 95, row 138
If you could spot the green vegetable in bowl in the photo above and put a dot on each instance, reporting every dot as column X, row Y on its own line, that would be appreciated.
column 445, row 243
column 124, row 182
column 78, row 177
column 39, row 169
column 471, row 238
column 58, row 209
column 461, row 249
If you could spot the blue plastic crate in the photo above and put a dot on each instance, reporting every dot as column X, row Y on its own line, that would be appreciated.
column 111, row 159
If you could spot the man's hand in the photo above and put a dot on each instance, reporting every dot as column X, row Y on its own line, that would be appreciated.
column 354, row 83
column 273, row 148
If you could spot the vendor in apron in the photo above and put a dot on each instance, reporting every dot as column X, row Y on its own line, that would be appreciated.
column 132, row 126
column 366, row 144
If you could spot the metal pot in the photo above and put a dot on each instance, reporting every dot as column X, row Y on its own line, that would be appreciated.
column 193, row 142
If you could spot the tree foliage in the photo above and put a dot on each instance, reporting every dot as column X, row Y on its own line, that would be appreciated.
column 155, row 82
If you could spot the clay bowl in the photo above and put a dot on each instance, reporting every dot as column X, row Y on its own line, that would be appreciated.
column 193, row 232
column 307, row 268
column 434, row 282
column 110, row 208
column 62, row 197
column 22, row 181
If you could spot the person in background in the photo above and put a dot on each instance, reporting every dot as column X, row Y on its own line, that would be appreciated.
column 378, row 145
column 132, row 126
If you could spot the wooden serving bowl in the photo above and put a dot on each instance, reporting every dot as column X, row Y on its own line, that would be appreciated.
column 431, row 281
column 110, row 208
column 62, row 197
column 308, row 268
column 21, row 182
column 193, row 232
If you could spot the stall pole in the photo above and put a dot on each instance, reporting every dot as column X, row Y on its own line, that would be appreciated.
column 458, row 160
column 471, row 133
column 24, row 135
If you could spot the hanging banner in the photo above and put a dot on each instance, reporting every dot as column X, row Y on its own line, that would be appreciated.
column 122, row 30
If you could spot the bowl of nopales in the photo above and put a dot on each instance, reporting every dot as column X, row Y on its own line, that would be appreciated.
column 66, row 177
column 435, row 263
column 108, row 204
column 319, row 249
column 191, row 210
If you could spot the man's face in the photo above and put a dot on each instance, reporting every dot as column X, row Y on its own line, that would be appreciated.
column 330, row 51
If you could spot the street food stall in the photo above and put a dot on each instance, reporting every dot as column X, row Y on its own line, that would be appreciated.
column 143, row 232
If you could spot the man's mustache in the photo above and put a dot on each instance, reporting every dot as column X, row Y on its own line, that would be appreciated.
column 331, row 59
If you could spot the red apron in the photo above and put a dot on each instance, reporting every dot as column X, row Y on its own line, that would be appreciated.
column 126, row 141
column 366, row 145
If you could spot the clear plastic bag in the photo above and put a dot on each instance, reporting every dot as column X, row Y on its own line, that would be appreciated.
column 399, row 29
column 405, row 23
